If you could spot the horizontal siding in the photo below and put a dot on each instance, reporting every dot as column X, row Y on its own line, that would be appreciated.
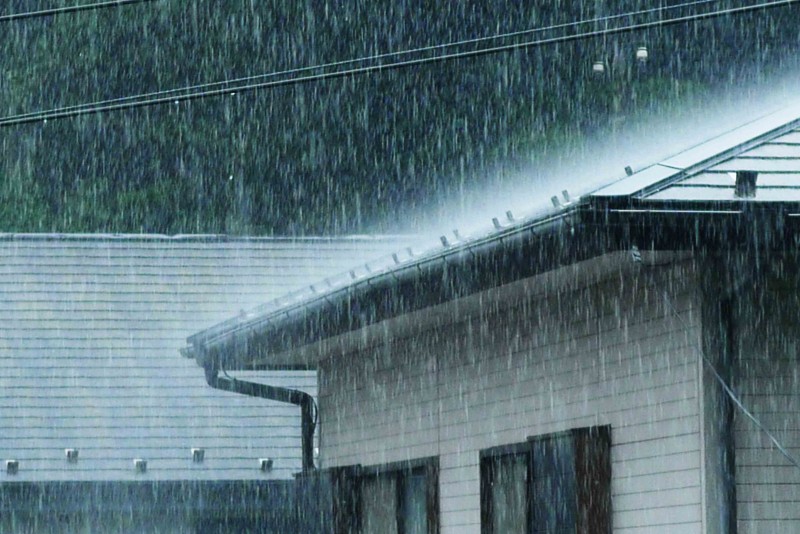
column 611, row 354
column 767, row 379
column 89, row 336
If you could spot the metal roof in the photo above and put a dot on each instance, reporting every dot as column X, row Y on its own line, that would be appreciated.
column 659, row 205
column 770, row 145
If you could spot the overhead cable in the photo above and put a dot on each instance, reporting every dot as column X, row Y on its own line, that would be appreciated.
column 431, row 48
column 176, row 99
column 68, row 9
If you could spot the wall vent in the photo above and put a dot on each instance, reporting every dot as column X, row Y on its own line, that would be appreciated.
column 746, row 184
column 12, row 467
column 140, row 465
column 72, row 455
column 198, row 455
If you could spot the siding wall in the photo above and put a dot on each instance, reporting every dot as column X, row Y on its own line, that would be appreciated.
column 768, row 381
column 90, row 330
column 607, row 353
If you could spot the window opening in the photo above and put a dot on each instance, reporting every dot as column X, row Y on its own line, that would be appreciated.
column 550, row 484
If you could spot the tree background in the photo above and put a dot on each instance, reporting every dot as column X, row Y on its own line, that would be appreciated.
column 348, row 155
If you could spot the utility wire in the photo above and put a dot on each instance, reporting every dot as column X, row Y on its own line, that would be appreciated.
column 732, row 394
column 55, row 114
column 246, row 79
column 68, row 9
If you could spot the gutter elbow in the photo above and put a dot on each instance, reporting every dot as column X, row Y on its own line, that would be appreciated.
column 212, row 374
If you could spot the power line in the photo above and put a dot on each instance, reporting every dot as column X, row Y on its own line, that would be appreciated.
column 375, row 57
column 56, row 114
column 68, row 9
column 152, row 99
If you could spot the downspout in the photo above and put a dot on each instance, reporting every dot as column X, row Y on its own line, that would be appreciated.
column 263, row 391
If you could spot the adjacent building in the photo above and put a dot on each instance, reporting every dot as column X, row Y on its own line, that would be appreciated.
column 102, row 428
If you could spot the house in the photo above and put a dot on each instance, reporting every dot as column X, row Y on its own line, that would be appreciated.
column 626, row 362
column 101, row 431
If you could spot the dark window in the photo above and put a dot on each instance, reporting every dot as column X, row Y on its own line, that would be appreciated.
column 550, row 484
column 390, row 499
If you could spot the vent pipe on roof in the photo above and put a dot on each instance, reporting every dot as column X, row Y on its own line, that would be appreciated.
column 746, row 184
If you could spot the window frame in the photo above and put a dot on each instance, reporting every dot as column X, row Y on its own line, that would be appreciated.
column 592, row 465
column 349, row 480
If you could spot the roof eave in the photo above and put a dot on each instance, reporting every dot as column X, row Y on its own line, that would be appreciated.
column 477, row 265
column 596, row 226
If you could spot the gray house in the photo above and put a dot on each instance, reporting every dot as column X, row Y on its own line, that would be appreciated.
column 102, row 430
column 626, row 362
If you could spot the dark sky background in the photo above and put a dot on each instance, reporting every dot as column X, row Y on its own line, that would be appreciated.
column 393, row 151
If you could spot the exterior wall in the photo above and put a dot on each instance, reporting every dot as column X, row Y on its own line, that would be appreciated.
column 768, row 382
column 601, row 349
column 90, row 329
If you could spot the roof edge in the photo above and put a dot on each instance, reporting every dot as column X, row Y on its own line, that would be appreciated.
column 704, row 154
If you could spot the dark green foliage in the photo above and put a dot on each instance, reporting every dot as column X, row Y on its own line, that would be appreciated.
column 347, row 155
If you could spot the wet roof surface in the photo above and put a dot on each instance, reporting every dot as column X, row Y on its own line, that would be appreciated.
column 777, row 162
column 770, row 146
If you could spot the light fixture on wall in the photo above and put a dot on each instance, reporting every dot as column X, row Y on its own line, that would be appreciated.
column 636, row 254
column 642, row 55
column 71, row 455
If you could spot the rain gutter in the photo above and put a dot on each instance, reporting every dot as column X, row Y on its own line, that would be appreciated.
column 453, row 272
column 263, row 391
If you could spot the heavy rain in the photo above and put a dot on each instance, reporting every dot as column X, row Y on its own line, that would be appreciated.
column 403, row 267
